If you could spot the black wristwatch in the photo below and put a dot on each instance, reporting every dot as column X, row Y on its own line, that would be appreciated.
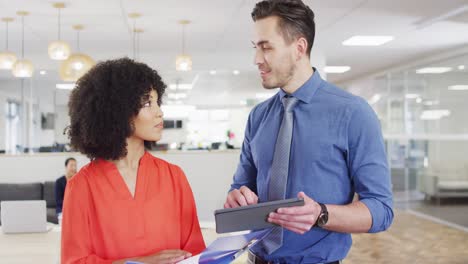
column 323, row 216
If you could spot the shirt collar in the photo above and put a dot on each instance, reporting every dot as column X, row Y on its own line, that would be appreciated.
column 308, row 89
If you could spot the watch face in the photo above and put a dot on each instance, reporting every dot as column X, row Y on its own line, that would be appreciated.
column 322, row 220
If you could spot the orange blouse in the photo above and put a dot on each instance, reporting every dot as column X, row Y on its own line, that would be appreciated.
column 102, row 222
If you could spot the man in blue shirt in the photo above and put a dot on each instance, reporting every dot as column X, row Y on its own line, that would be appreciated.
column 334, row 148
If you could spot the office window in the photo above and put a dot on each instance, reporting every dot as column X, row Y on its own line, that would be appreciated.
column 172, row 124
column 13, row 127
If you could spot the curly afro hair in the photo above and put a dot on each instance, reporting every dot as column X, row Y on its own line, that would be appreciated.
column 104, row 103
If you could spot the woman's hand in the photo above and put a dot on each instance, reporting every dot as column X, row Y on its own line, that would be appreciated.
column 162, row 257
column 167, row 256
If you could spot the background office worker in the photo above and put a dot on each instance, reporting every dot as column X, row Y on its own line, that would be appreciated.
column 311, row 140
column 61, row 184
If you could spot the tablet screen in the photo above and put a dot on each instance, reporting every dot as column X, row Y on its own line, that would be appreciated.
column 251, row 217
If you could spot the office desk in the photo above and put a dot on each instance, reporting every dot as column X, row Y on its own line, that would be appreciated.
column 41, row 248
column 44, row 248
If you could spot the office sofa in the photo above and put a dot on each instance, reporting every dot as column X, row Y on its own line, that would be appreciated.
column 31, row 191
column 444, row 183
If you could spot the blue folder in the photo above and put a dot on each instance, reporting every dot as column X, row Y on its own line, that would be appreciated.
column 225, row 249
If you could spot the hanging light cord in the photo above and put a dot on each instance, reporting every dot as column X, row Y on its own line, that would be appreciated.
column 134, row 38
column 183, row 39
column 22, row 37
column 78, row 40
column 6, row 36
column 59, row 22
column 138, row 44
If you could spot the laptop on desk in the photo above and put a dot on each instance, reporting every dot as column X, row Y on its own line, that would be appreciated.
column 23, row 216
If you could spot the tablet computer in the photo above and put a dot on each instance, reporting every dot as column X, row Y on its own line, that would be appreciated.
column 250, row 217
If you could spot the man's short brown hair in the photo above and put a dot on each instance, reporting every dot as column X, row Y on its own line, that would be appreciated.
column 296, row 19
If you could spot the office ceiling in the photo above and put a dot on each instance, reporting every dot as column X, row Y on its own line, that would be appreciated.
column 220, row 33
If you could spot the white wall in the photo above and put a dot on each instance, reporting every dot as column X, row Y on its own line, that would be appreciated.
column 174, row 135
column 209, row 173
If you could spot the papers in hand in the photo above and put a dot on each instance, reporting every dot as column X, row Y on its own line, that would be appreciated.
column 191, row 260
column 226, row 249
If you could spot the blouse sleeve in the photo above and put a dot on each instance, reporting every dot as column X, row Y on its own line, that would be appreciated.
column 76, row 237
column 191, row 236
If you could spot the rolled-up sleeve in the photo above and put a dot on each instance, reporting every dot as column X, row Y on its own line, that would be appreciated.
column 368, row 166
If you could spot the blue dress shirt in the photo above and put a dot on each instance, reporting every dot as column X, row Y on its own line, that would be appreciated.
column 337, row 150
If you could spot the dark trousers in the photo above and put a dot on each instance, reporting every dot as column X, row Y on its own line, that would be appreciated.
column 254, row 259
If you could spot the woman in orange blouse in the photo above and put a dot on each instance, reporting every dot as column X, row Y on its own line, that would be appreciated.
column 125, row 205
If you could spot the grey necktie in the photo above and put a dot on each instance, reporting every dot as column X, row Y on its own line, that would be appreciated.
column 279, row 170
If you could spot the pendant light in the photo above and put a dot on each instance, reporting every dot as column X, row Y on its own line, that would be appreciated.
column 59, row 49
column 183, row 61
column 22, row 68
column 78, row 63
column 7, row 58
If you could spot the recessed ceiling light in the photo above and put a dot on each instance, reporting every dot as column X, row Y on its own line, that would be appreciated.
column 42, row 72
column 411, row 96
column 419, row 100
column 375, row 98
column 433, row 70
column 336, row 69
column 458, row 87
column 180, row 86
column 235, row 72
column 177, row 96
column 212, row 72
column 434, row 114
column 177, row 110
column 264, row 96
column 367, row 40
column 431, row 103
column 65, row 86
column 461, row 67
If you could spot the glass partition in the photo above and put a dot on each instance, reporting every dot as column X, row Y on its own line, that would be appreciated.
column 423, row 113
